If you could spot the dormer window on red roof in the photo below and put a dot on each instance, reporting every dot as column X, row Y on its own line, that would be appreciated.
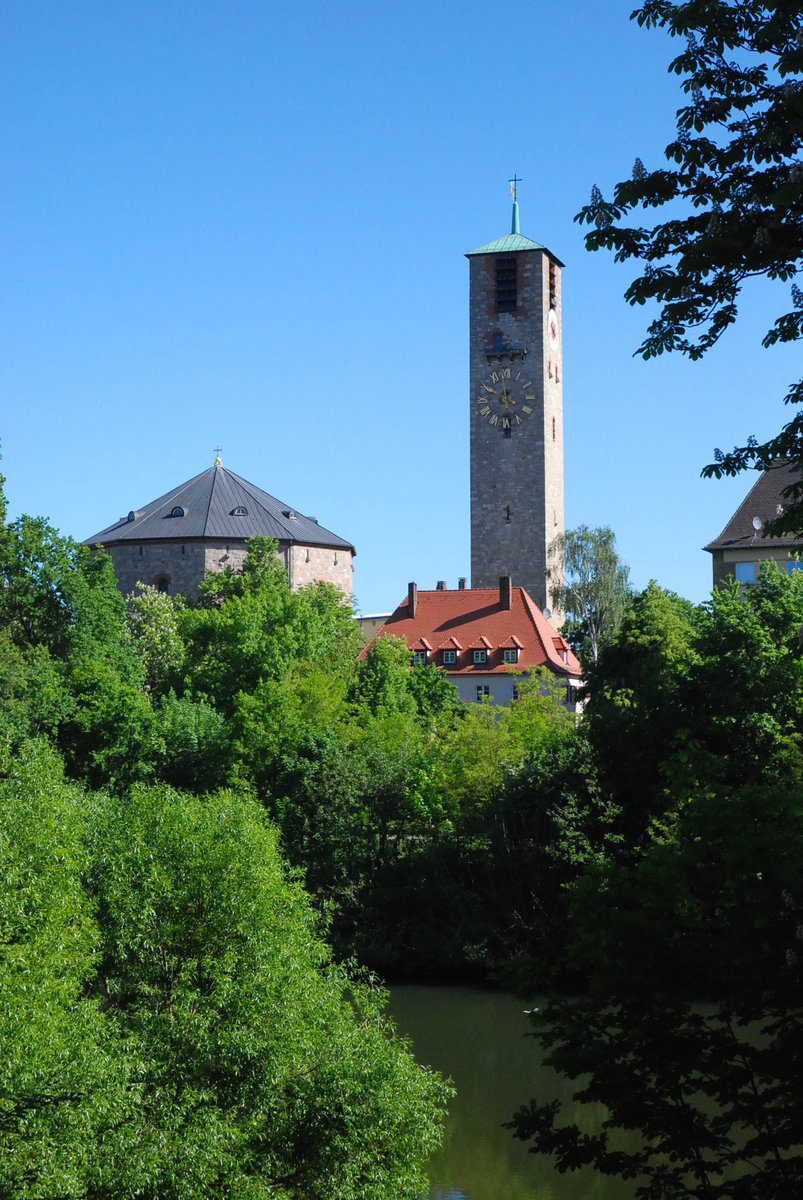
column 449, row 658
column 419, row 658
column 480, row 657
column 510, row 654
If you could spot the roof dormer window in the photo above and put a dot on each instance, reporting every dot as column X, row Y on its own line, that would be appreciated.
column 449, row 658
column 178, row 511
column 510, row 655
column 239, row 511
column 419, row 658
column 480, row 657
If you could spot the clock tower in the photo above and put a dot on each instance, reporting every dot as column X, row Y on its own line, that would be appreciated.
column 516, row 412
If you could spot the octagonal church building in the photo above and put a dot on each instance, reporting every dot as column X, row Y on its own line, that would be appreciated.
column 202, row 525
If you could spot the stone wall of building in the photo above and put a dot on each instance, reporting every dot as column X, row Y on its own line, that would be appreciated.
column 171, row 566
column 308, row 564
column 178, row 567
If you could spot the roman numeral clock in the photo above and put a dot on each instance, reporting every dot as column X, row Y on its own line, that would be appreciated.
column 516, row 412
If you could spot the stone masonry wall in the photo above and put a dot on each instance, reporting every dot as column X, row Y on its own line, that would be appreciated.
column 311, row 563
column 180, row 566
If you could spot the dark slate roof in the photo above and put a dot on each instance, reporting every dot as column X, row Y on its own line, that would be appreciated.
column 209, row 501
column 764, row 500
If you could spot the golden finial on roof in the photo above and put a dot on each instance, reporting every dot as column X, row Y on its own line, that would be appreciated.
column 218, row 463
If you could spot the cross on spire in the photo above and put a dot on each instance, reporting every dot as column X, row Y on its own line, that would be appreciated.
column 218, row 450
column 513, row 183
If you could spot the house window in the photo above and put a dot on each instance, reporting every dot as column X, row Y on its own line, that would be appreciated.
column 506, row 284
column 745, row 572
column 510, row 656
column 480, row 657
column 449, row 658
column 483, row 690
column 162, row 584
column 419, row 658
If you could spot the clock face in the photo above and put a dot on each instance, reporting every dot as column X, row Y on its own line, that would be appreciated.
column 552, row 328
column 506, row 397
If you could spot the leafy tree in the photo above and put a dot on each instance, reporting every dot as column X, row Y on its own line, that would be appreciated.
column 193, row 744
column 744, row 695
column 591, row 586
column 251, row 628
column 64, row 1084
column 382, row 679
column 691, row 1026
column 265, row 1070
column 152, row 620
column 736, row 163
column 634, row 716
column 33, row 694
column 552, row 825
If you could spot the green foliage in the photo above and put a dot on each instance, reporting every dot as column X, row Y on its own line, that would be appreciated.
column 34, row 695
column 63, row 1077
column 110, row 736
column 153, row 623
column 745, row 694
column 691, row 1027
column 735, row 162
column 592, row 587
column 265, row 1071
column 251, row 629
column 634, row 716
column 193, row 742
column 382, row 679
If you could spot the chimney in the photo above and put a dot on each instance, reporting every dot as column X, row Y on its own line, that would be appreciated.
column 412, row 599
column 440, row 586
column 461, row 583
column 504, row 591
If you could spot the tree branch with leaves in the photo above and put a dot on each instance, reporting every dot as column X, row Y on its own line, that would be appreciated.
column 734, row 179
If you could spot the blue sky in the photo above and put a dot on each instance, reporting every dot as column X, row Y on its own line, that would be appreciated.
column 245, row 223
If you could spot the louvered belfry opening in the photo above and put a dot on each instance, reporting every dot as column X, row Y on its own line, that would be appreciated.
column 506, row 283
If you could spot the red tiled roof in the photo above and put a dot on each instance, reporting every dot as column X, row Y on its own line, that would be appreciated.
column 476, row 616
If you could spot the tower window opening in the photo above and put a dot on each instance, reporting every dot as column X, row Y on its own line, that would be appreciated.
column 506, row 284
column 553, row 429
column 553, row 285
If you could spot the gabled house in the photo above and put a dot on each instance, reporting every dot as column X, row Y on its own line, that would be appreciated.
column 741, row 548
column 483, row 638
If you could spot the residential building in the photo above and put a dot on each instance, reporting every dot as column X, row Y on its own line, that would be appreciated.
column 485, row 639
column 743, row 546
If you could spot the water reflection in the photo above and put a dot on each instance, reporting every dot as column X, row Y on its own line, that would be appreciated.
column 480, row 1040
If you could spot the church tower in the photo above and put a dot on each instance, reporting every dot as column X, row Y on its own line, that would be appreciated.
column 516, row 418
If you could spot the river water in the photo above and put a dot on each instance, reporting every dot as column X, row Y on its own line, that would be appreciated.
column 479, row 1039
